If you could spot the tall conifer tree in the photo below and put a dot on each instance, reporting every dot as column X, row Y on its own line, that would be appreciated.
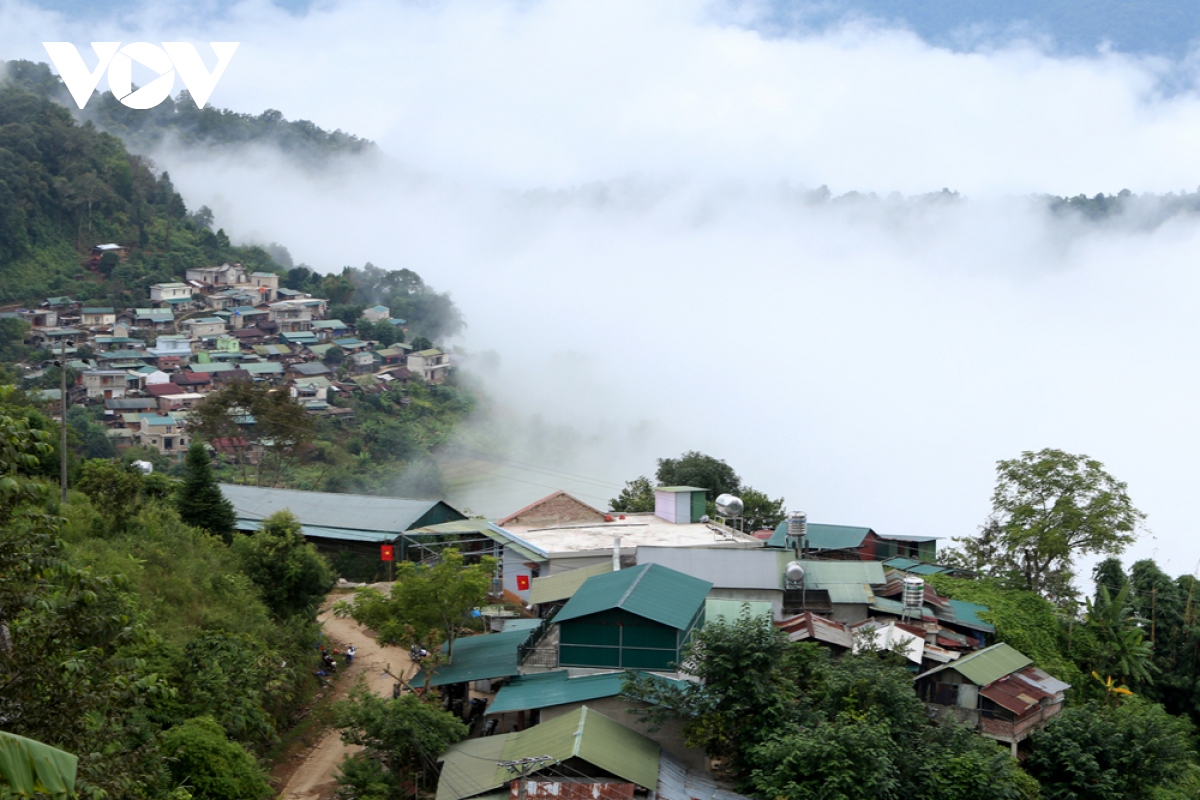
column 199, row 501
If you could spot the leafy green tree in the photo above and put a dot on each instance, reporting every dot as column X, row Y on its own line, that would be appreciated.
column 65, row 675
column 702, row 471
column 211, row 766
column 760, row 510
column 426, row 603
column 1050, row 507
column 291, row 575
column 1124, row 652
column 115, row 490
column 1027, row 621
column 402, row 735
column 199, row 499
column 268, row 430
column 637, row 496
column 746, row 692
column 12, row 340
column 1100, row 751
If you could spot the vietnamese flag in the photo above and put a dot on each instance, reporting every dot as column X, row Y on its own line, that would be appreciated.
column 386, row 553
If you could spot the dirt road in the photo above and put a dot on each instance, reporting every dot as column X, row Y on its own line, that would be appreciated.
column 313, row 779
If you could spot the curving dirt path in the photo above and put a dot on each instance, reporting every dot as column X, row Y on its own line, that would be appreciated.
column 314, row 779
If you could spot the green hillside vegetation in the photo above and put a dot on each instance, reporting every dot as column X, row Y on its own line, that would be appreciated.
column 178, row 121
column 127, row 634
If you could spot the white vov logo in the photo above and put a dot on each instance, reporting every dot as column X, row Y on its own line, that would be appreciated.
column 172, row 57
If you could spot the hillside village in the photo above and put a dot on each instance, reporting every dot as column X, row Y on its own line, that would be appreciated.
column 583, row 603
column 148, row 366
column 582, row 596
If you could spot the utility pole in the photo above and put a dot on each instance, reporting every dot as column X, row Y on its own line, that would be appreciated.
column 62, row 443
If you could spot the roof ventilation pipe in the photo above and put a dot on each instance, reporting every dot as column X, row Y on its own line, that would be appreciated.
column 616, row 553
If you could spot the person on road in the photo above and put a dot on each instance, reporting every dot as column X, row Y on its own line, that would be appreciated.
column 350, row 653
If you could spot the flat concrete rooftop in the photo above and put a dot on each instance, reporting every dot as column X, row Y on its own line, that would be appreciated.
column 634, row 530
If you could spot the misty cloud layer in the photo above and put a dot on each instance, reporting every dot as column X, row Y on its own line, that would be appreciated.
column 619, row 198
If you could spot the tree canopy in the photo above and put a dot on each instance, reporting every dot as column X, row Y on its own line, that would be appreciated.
column 427, row 605
column 291, row 575
column 1048, row 508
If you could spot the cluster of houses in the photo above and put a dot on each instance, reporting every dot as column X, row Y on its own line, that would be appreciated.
column 149, row 366
column 600, row 593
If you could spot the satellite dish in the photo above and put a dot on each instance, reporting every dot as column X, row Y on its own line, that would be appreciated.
column 730, row 506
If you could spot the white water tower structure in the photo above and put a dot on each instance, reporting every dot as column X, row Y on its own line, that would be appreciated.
column 797, row 533
column 914, row 597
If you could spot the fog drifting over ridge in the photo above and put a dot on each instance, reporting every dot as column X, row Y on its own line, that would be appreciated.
column 616, row 196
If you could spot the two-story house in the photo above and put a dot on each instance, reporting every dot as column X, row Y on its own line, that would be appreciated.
column 163, row 432
column 106, row 383
column 291, row 316
column 203, row 327
column 266, row 284
column 98, row 316
column 223, row 276
column 170, row 294
column 432, row 365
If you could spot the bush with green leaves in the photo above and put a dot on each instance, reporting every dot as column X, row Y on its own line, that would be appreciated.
column 402, row 735
column 1104, row 750
column 211, row 766
column 292, row 577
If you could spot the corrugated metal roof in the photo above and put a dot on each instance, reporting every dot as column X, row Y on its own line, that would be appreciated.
column 554, row 689
column 470, row 768
column 546, row 689
column 890, row 606
column 677, row 782
column 530, row 551
column 319, row 532
column 987, row 665
column 329, row 509
column 1015, row 695
column 824, row 537
column 813, row 626
column 565, row 584
column 891, row 637
column 651, row 591
column 845, row 581
column 724, row 568
column 263, row 367
column 1043, row 680
column 967, row 615
column 477, row 658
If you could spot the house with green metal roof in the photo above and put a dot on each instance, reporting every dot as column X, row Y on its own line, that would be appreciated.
column 841, row 590
column 996, row 690
column 336, row 521
column 850, row 541
column 639, row 618
column 584, row 742
column 549, row 695
column 486, row 657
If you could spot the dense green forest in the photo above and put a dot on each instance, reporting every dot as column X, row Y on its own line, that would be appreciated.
column 131, row 638
column 178, row 121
